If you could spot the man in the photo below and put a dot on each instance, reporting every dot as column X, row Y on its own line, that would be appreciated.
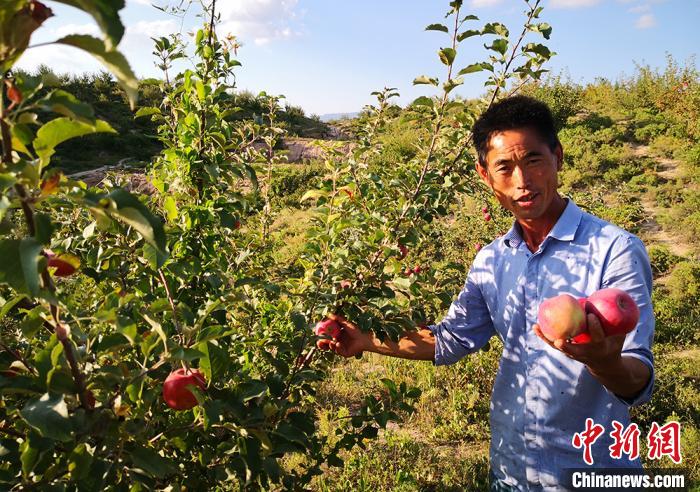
column 544, row 391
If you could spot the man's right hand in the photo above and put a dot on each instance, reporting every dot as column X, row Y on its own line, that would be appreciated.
column 352, row 341
column 416, row 345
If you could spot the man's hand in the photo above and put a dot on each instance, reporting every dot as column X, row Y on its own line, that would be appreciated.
column 624, row 376
column 351, row 341
column 415, row 345
column 601, row 351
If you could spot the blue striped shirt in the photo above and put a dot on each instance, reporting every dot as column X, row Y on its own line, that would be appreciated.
column 541, row 398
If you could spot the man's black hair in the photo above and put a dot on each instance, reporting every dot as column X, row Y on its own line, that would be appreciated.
column 512, row 113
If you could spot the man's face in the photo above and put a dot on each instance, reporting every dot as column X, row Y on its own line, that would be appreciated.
column 521, row 170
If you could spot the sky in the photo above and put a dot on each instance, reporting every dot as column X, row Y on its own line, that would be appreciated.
column 327, row 56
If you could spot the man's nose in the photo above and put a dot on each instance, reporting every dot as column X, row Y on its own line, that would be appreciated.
column 521, row 176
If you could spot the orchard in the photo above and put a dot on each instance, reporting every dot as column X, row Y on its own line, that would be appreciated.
column 155, row 341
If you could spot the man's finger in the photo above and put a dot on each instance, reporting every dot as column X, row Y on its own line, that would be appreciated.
column 595, row 329
column 539, row 333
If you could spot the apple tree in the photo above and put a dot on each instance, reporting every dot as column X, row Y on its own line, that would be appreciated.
column 105, row 294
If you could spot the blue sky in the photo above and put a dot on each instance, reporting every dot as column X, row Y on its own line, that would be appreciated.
column 329, row 55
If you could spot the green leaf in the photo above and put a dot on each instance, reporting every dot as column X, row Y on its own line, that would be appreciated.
column 106, row 14
column 7, row 306
column 474, row 67
column 60, row 101
column 123, row 206
column 20, row 264
column 447, row 55
column 113, row 60
column 59, row 130
column 452, row 83
column 148, row 460
column 495, row 28
column 48, row 414
column 253, row 388
column 147, row 111
column 170, row 207
column 79, row 462
column 437, row 27
column 424, row 79
column 539, row 49
column 467, row 34
column 499, row 45
column 423, row 101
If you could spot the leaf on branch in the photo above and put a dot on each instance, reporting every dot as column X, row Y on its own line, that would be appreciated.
column 468, row 34
column 106, row 14
column 48, row 414
column 152, row 463
column 123, row 206
column 113, row 60
column 538, row 49
column 61, row 129
column 62, row 102
column 474, row 67
column 437, row 27
column 499, row 45
column 424, row 79
column 447, row 55
column 495, row 28
column 423, row 101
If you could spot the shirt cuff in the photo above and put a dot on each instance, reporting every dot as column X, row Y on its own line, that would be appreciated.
column 645, row 393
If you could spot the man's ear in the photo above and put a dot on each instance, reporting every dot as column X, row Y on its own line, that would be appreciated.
column 559, row 153
column 483, row 172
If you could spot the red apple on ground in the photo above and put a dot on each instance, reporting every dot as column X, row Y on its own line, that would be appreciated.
column 484, row 209
column 477, row 246
column 561, row 317
column 327, row 328
column 417, row 269
column 176, row 393
column 487, row 217
column 616, row 310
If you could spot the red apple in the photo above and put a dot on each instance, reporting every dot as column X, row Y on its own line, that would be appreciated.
column 176, row 393
column 404, row 251
column 487, row 217
column 616, row 310
column 65, row 264
column 583, row 337
column 329, row 329
column 417, row 269
column 477, row 246
column 561, row 317
column 484, row 209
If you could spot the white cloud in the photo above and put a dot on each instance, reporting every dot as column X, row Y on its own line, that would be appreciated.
column 67, row 29
column 572, row 4
column 485, row 3
column 645, row 21
column 639, row 9
column 260, row 21
column 139, row 2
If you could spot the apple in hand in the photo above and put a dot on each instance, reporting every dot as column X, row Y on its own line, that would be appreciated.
column 561, row 317
column 176, row 393
column 329, row 329
column 616, row 310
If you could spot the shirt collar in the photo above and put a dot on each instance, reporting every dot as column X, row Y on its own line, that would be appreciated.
column 563, row 230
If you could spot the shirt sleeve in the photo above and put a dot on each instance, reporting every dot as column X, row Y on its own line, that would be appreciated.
column 467, row 326
column 628, row 268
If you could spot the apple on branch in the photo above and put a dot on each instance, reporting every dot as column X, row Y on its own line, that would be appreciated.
column 328, row 330
column 176, row 393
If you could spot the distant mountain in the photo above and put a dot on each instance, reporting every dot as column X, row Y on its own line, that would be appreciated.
column 337, row 116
